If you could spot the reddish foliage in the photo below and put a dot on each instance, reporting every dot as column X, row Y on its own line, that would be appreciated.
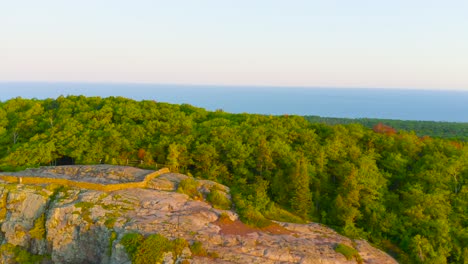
column 425, row 138
column 384, row 129
column 141, row 154
column 456, row 144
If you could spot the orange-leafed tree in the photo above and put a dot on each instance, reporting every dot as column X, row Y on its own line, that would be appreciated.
column 384, row 129
column 141, row 154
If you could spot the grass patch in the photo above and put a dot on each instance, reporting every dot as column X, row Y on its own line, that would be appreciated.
column 348, row 252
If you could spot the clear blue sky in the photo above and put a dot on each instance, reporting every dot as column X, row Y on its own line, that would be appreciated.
column 359, row 43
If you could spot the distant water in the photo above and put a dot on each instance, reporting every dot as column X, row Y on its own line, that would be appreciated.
column 327, row 102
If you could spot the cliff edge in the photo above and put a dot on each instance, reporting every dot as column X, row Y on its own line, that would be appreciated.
column 44, row 222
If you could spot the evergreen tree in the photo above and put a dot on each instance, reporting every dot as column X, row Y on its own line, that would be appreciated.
column 301, row 200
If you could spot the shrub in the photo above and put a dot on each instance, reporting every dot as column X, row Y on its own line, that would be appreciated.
column 253, row 217
column 248, row 214
column 189, row 186
column 277, row 213
column 131, row 243
column 178, row 246
column 218, row 199
column 152, row 249
column 224, row 218
column 348, row 252
column 198, row 249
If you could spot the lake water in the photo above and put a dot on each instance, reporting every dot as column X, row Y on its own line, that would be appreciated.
column 326, row 102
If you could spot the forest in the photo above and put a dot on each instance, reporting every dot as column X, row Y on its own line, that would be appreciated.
column 448, row 130
column 404, row 193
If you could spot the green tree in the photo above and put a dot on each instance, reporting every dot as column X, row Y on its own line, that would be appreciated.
column 301, row 197
column 173, row 157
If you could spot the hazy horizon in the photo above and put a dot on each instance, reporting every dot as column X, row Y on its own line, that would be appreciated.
column 403, row 104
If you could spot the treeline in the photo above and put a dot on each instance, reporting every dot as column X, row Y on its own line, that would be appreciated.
column 447, row 130
column 402, row 192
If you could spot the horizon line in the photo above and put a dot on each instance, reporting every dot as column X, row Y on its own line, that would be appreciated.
column 214, row 85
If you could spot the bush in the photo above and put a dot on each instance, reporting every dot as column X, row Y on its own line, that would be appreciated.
column 218, row 199
column 224, row 218
column 348, row 252
column 131, row 243
column 198, row 249
column 275, row 212
column 152, row 249
column 189, row 186
column 178, row 246
column 248, row 214
column 253, row 217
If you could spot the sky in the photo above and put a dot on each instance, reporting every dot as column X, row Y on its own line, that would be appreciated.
column 412, row 44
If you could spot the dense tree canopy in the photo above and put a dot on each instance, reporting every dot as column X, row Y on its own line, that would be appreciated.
column 402, row 192
column 449, row 130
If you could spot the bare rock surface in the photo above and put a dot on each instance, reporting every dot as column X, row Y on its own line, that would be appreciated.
column 104, row 174
column 86, row 226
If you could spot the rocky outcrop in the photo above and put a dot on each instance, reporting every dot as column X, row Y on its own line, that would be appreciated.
column 96, row 173
column 60, row 224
